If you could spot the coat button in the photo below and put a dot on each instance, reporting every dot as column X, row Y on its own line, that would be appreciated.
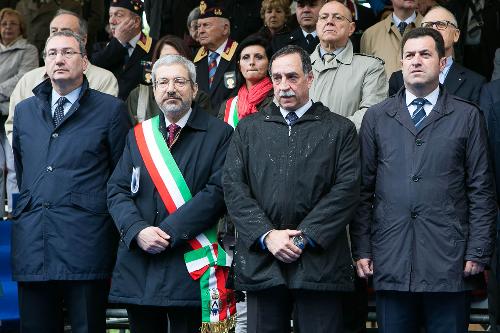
column 414, row 215
column 419, row 142
column 46, row 205
column 55, row 135
column 415, row 178
column 185, row 236
column 49, row 169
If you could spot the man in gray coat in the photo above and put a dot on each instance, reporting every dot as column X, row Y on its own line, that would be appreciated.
column 347, row 83
column 425, row 225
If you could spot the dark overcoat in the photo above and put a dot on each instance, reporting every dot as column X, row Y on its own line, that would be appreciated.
column 162, row 279
column 62, row 229
column 303, row 178
column 427, row 195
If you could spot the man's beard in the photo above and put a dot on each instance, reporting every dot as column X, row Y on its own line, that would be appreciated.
column 175, row 109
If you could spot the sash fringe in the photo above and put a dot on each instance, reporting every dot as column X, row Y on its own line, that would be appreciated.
column 219, row 327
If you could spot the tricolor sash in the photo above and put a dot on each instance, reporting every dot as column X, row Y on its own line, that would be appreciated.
column 231, row 113
column 207, row 262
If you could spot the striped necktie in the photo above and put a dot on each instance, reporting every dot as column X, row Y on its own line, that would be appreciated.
column 402, row 27
column 212, row 67
column 58, row 116
column 419, row 114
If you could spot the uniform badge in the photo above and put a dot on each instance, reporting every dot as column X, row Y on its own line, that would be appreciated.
column 230, row 80
column 203, row 7
column 146, row 72
column 134, row 183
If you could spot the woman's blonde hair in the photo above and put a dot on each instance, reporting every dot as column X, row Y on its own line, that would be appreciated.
column 270, row 4
column 10, row 11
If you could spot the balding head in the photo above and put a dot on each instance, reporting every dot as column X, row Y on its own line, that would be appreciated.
column 442, row 20
column 335, row 25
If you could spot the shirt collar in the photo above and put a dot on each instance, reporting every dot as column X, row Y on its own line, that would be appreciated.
column 432, row 97
column 314, row 34
column 183, row 121
column 220, row 49
column 409, row 20
column 299, row 112
column 71, row 97
column 133, row 41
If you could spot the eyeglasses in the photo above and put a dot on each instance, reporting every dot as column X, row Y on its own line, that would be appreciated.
column 179, row 83
column 66, row 53
column 337, row 18
column 439, row 25
column 6, row 24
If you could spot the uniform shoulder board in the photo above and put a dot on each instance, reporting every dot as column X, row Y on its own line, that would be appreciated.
column 145, row 43
column 371, row 56
column 229, row 50
column 202, row 53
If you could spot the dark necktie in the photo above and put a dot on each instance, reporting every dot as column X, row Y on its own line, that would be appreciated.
column 212, row 67
column 127, row 55
column 291, row 117
column 310, row 39
column 173, row 130
column 58, row 116
column 419, row 114
column 402, row 26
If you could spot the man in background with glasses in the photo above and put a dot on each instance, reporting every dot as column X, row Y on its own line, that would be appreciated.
column 457, row 79
column 67, row 140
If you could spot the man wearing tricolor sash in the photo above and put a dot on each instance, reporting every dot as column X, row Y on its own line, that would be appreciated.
column 166, row 199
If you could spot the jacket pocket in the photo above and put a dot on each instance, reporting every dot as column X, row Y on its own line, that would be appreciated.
column 91, row 202
column 22, row 204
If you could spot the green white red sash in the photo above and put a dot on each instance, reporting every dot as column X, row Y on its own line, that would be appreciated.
column 207, row 262
column 231, row 112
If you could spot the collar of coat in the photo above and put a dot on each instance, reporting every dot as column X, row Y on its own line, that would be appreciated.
column 344, row 57
column 440, row 107
column 388, row 23
column 272, row 113
column 145, row 42
column 43, row 91
column 228, row 53
column 198, row 119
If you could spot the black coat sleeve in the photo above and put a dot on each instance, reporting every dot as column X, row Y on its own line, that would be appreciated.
column 395, row 82
column 111, row 57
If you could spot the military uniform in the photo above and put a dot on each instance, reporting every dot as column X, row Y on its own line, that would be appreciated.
column 225, row 76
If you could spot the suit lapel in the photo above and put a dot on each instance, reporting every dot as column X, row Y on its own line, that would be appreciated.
column 202, row 74
column 134, row 58
column 454, row 79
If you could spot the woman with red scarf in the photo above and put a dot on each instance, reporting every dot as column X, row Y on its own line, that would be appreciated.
column 255, row 88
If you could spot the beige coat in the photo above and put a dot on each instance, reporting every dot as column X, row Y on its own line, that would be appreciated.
column 15, row 60
column 99, row 79
column 384, row 41
column 349, row 84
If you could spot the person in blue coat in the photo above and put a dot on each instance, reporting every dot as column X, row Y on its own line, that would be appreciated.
column 67, row 140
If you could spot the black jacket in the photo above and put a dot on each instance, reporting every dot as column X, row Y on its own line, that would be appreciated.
column 460, row 81
column 295, row 37
column 62, row 229
column 427, row 196
column 162, row 279
column 309, row 181
column 129, row 74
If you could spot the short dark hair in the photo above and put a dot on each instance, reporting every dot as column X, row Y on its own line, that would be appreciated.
column 252, row 40
column 176, row 42
column 423, row 32
column 293, row 49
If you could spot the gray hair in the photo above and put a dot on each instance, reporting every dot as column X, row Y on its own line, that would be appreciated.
column 83, row 26
column 66, row 33
column 173, row 59
column 193, row 15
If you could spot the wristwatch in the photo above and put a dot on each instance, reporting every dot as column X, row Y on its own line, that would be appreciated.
column 298, row 241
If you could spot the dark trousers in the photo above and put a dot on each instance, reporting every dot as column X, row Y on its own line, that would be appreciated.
column 41, row 306
column 270, row 311
column 494, row 290
column 438, row 312
column 157, row 319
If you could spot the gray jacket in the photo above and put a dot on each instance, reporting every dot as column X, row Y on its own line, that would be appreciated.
column 15, row 60
column 349, row 84
column 427, row 196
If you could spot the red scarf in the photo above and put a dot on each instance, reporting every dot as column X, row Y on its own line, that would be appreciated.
column 247, row 100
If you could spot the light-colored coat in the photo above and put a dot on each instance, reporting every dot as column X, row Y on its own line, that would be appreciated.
column 349, row 84
column 384, row 41
column 99, row 79
column 15, row 60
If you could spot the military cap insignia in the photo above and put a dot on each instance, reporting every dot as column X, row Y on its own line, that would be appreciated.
column 203, row 7
column 218, row 12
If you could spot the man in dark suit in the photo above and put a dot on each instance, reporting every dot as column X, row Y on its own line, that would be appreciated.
column 215, row 62
column 67, row 140
column 166, row 199
column 305, row 35
column 129, row 52
column 425, row 225
column 479, row 21
column 457, row 79
column 490, row 104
